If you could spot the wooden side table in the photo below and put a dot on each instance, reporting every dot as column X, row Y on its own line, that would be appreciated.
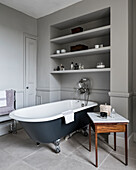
column 99, row 125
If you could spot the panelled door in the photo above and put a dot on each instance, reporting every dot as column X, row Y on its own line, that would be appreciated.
column 30, row 71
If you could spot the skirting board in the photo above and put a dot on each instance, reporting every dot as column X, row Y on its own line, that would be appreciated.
column 120, row 141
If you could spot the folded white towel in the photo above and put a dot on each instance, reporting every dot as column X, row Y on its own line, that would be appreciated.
column 3, row 94
column 69, row 116
column 3, row 101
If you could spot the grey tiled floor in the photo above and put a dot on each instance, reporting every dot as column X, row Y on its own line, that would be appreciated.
column 18, row 152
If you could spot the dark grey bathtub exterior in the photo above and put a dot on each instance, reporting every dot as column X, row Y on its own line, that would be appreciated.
column 50, row 131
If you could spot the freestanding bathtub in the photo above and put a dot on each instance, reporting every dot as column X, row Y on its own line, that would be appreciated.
column 46, row 124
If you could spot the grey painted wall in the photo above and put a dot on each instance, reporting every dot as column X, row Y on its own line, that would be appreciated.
column 120, row 86
column 13, row 25
column 134, row 63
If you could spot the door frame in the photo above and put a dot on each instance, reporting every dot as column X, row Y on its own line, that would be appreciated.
column 26, row 35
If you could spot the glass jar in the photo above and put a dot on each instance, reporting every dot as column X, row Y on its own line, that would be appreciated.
column 113, row 113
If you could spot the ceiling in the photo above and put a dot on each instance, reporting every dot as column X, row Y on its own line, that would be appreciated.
column 38, row 8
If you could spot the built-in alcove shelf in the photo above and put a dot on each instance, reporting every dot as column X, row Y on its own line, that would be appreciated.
column 82, row 71
column 96, row 28
column 93, row 51
column 93, row 33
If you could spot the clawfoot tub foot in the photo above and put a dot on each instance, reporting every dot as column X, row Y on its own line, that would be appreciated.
column 37, row 143
column 85, row 133
column 57, row 147
column 13, row 127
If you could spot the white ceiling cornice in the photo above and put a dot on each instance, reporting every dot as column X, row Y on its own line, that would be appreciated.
column 38, row 8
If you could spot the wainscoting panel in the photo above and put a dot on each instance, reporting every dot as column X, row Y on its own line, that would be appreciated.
column 42, row 96
column 19, row 99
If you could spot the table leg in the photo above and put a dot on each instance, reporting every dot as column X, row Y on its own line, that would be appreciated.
column 96, row 154
column 126, row 149
column 114, row 141
column 90, row 137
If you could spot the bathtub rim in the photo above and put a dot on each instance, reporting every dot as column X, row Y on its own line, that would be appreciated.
column 23, row 119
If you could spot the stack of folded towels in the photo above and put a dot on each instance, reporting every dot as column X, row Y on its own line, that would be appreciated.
column 3, row 101
column 7, row 102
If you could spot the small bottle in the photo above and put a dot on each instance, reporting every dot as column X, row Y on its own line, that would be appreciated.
column 76, row 66
column 72, row 66
column 113, row 113
column 80, row 66
column 58, row 68
column 62, row 67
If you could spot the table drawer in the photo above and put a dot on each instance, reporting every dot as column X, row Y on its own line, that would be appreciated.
column 110, row 128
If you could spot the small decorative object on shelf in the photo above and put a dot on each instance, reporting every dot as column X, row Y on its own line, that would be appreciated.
column 76, row 30
column 62, row 67
column 72, row 66
column 82, row 67
column 63, row 50
column 101, row 45
column 76, row 66
column 78, row 47
column 57, row 51
column 58, row 68
column 97, row 46
column 100, row 65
